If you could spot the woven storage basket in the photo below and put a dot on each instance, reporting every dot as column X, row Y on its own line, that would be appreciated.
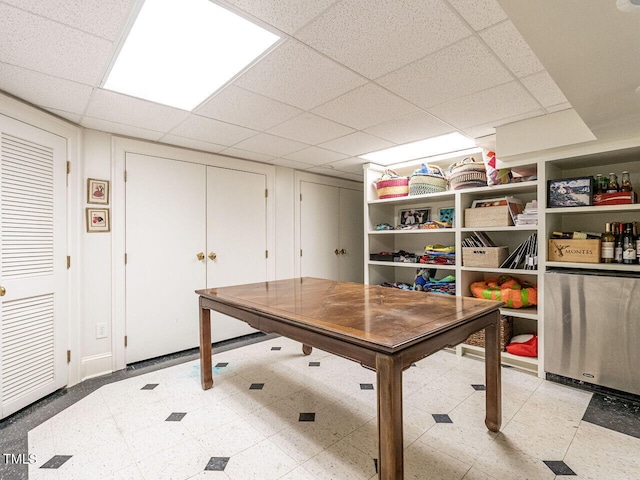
column 428, row 179
column 467, row 174
column 391, row 185
column 506, row 332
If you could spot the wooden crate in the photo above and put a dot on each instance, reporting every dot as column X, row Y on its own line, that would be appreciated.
column 499, row 216
column 490, row 257
column 577, row 251
column 506, row 332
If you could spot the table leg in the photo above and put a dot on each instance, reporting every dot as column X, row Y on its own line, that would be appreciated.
column 306, row 349
column 206, row 376
column 390, row 441
column 493, row 419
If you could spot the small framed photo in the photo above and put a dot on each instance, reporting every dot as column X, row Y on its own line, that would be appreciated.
column 98, row 191
column 414, row 216
column 446, row 214
column 98, row 220
column 570, row 192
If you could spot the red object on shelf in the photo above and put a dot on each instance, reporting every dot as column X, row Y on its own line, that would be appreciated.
column 618, row 198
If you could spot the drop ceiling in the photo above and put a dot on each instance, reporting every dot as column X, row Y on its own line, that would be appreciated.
column 349, row 77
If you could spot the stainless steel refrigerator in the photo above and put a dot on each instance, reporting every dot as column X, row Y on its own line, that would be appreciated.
column 592, row 327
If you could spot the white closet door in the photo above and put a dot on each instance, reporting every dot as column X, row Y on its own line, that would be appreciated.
column 351, row 240
column 236, row 236
column 33, row 310
column 165, row 230
column 320, row 231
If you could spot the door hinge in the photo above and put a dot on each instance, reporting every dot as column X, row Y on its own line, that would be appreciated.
column 266, row 193
column 300, row 252
column 125, row 259
column 300, row 197
column 68, row 356
column 125, row 176
column 125, row 340
column 68, row 167
column 266, row 254
column 68, row 262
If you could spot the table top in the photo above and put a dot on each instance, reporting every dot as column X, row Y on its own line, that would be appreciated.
column 382, row 316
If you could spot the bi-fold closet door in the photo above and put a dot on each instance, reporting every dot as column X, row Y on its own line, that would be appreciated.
column 188, row 226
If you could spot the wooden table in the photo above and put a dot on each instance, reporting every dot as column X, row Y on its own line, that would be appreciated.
column 381, row 328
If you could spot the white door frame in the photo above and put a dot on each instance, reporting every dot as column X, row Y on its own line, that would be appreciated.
column 119, row 147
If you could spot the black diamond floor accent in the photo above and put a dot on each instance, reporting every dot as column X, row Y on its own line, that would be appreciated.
column 56, row 461
column 276, row 348
column 559, row 467
column 314, row 364
column 256, row 386
column 366, row 386
column 441, row 418
column 479, row 387
column 307, row 417
column 175, row 417
column 614, row 413
column 217, row 464
column 375, row 464
column 150, row 386
column 414, row 365
column 221, row 364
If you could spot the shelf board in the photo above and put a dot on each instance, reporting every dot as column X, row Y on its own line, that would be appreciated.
column 411, row 265
column 519, row 187
column 512, row 228
column 529, row 364
column 634, row 207
column 405, row 232
column 612, row 267
column 515, row 271
column 528, row 312
column 414, row 198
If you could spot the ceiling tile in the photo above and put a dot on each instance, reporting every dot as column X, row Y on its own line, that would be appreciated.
column 324, row 170
column 546, row 91
column 120, row 129
column 412, row 127
column 44, row 90
column 97, row 17
column 479, row 13
column 315, row 156
column 247, row 155
column 478, row 131
column 374, row 37
column 310, row 129
column 270, row 145
column 458, row 70
column 36, row 43
column 505, row 40
column 488, row 106
column 356, row 143
column 296, row 75
column 349, row 165
column 191, row 143
column 283, row 162
column 242, row 107
column 119, row 108
column 286, row 15
column 212, row 131
column 365, row 106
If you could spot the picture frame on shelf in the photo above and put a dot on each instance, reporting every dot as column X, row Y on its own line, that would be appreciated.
column 97, row 191
column 570, row 192
column 446, row 214
column 414, row 216
column 98, row 220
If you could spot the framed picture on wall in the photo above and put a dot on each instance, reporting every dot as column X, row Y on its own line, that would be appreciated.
column 98, row 191
column 98, row 220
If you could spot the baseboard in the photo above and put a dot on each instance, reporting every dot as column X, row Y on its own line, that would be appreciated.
column 96, row 365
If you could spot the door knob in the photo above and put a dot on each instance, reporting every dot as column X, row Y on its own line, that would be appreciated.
column 200, row 256
column 336, row 251
column 343, row 251
column 212, row 255
column 3, row 291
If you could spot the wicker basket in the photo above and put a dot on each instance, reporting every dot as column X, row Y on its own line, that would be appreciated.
column 506, row 332
column 391, row 185
column 428, row 179
column 467, row 174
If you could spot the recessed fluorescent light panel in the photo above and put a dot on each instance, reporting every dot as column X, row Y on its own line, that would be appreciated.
column 451, row 142
column 179, row 52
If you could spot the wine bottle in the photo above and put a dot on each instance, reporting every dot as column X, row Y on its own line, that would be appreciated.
column 608, row 245
column 628, row 244
column 617, row 253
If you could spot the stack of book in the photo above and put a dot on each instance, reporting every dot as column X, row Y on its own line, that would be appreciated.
column 530, row 214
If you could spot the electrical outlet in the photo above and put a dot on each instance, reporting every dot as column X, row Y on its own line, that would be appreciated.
column 101, row 330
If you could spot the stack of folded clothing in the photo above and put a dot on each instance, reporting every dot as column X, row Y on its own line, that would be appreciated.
column 425, row 283
column 439, row 255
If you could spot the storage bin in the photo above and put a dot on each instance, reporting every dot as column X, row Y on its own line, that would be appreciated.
column 391, row 185
column 490, row 257
column 578, row 251
column 427, row 179
column 506, row 332
column 499, row 216
column 467, row 174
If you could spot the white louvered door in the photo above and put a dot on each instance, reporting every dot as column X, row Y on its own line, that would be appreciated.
column 33, row 311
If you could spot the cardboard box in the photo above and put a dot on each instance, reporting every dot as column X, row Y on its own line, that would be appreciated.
column 489, row 257
column 488, row 217
column 577, row 251
column 618, row 198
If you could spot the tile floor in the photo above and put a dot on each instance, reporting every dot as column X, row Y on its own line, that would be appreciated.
column 276, row 414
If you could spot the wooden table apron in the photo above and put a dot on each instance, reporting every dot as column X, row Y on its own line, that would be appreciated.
column 388, row 365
